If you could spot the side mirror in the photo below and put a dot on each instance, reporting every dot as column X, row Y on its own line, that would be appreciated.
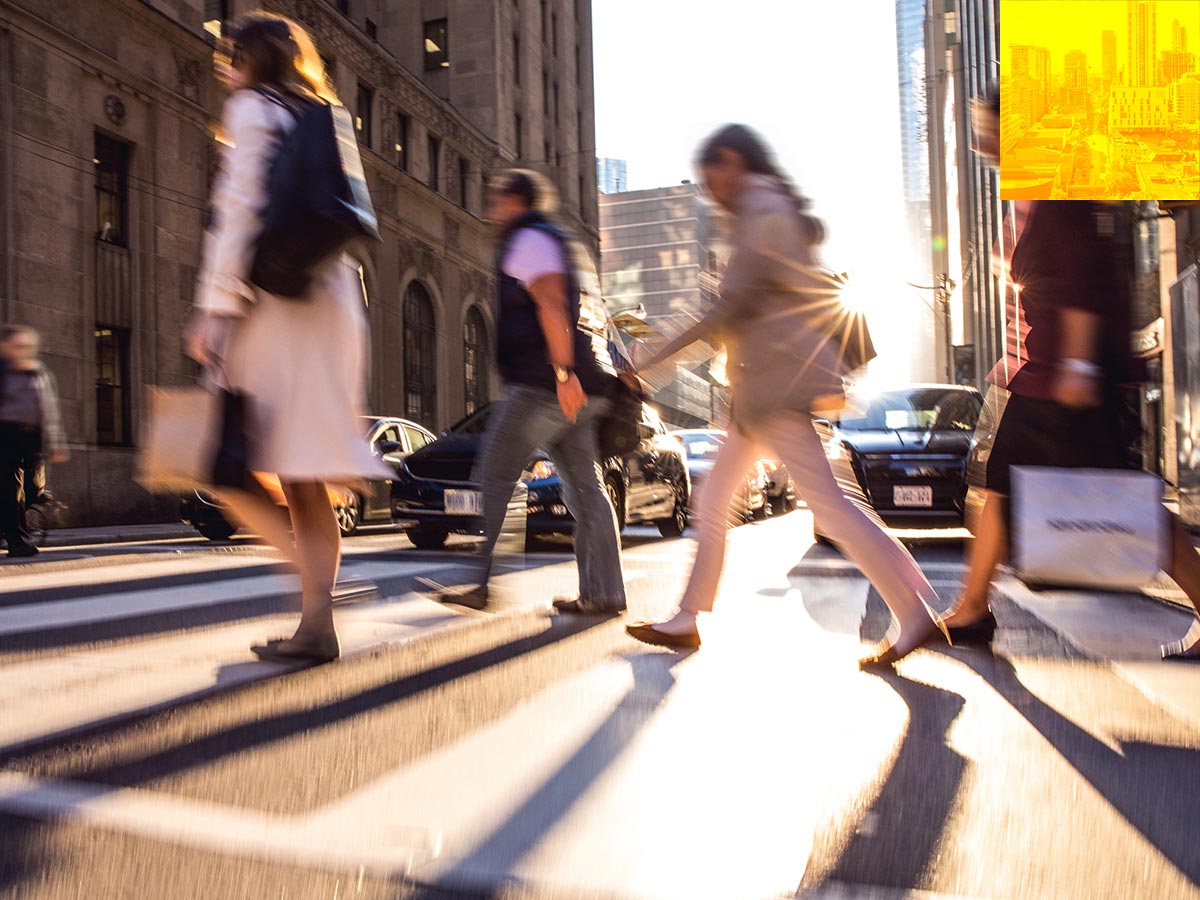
column 387, row 448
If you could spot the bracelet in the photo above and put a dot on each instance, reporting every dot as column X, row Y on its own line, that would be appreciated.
column 1081, row 367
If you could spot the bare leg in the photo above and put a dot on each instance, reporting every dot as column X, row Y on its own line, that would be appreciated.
column 986, row 551
column 265, row 518
column 1185, row 570
column 319, row 548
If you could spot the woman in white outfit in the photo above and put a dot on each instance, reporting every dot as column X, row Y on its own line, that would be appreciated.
column 301, row 362
column 782, row 367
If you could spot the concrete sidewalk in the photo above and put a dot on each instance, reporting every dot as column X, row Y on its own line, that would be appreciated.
column 119, row 534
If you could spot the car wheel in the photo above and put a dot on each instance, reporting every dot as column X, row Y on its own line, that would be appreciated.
column 216, row 531
column 615, row 498
column 349, row 514
column 675, row 525
column 427, row 538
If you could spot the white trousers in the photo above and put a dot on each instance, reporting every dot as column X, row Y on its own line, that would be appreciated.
column 841, row 509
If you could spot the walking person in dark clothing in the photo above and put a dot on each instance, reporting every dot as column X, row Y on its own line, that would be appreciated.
column 558, row 381
column 30, row 431
column 1055, row 395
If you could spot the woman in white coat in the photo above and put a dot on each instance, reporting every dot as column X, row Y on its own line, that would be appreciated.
column 301, row 362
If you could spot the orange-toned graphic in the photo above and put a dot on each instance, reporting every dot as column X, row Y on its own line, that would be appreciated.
column 1099, row 99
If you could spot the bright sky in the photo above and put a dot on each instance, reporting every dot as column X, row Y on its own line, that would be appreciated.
column 1064, row 25
column 817, row 79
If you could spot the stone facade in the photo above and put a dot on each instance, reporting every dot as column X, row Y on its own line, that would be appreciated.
column 107, row 275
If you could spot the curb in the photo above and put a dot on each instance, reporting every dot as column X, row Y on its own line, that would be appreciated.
column 63, row 537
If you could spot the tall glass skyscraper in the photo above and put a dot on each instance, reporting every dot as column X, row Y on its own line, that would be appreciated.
column 610, row 176
column 914, row 129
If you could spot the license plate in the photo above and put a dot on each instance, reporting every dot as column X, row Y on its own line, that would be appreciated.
column 463, row 503
column 912, row 496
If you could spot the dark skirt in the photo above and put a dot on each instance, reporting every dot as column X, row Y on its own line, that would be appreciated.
column 1023, row 431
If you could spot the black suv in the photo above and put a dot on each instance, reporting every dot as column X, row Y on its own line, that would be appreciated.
column 434, row 496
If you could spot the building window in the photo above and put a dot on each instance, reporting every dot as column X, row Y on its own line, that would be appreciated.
column 343, row 7
column 520, row 142
column 464, row 174
column 111, row 161
column 216, row 14
column 545, row 92
column 476, row 358
column 554, row 31
column 578, row 66
column 437, row 48
column 516, row 59
column 372, row 30
column 402, row 141
column 543, row 22
column 556, row 121
column 546, row 153
column 362, row 114
column 420, row 356
column 435, row 162
column 112, row 385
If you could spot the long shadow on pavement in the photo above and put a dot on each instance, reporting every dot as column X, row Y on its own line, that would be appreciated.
column 907, row 818
column 487, row 869
column 19, row 837
column 1152, row 786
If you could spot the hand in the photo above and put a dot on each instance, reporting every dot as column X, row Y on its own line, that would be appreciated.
column 571, row 397
column 59, row 456
column 207, row 336
column 1076, row 390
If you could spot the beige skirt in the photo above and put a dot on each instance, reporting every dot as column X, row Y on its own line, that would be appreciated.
column 303, row 364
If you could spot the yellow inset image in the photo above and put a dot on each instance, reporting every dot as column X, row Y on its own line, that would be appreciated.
column 1099, row 99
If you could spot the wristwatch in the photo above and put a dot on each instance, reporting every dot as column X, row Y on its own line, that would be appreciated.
column 562, row 374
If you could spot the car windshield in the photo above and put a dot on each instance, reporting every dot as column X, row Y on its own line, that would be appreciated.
column 476, row 423
column 701, row 446
column 920, row 409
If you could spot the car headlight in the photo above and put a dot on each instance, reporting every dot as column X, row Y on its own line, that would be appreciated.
column 541, row 469
column 836, row 450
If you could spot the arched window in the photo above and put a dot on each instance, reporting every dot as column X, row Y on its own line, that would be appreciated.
column 420, row 356
column 477, row 359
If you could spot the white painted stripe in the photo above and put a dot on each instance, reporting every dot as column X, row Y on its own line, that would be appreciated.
column 107, row 607
column 207, row 826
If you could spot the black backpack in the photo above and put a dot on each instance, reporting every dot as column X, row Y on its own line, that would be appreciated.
column 317, row 201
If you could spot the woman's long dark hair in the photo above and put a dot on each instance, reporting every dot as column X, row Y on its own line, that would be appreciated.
column 760, row 161
column 279, row 54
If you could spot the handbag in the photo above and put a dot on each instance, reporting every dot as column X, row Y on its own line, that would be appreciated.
column 317, row 200
column 1087, row 528
column 617, row 430
column 230, row 464
column 178, row 439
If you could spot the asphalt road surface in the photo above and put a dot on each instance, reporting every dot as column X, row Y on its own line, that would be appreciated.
column 519, row 753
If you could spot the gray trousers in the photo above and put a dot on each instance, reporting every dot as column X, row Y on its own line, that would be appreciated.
column 528, row 418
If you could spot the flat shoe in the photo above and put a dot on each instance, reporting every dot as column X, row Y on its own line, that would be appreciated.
column 473, row 597
column 890, row 656
column 274, row 651
column 981, row 631
column 1176, row 652
column 648, row 634
column 586, row 607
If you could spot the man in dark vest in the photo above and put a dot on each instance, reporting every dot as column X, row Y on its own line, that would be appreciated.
column 557, row 383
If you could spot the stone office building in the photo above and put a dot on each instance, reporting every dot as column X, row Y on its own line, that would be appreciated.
column 107, row 108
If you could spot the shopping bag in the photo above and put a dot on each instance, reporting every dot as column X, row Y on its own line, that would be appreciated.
column 179, row 439
column 1087, row 528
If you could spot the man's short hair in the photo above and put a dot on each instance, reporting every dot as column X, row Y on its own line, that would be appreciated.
column 8, row 332
column 534, row 189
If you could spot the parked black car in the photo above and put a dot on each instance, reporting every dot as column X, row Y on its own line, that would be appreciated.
column 908, row 450
column 435, row 497
column 391, row 438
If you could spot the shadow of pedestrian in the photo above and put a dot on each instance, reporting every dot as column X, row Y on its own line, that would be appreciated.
column 1152, row 786
column 896, row 838
column 490, row 863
